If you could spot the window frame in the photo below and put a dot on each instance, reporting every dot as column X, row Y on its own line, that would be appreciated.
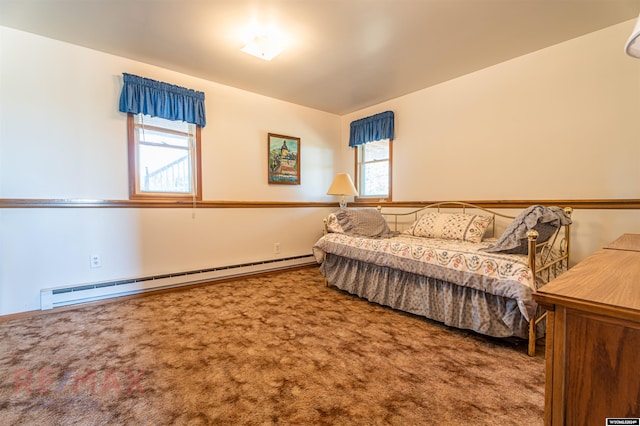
column 364, row 198
column 134, row 178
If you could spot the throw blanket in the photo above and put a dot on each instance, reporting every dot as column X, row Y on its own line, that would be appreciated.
column 545, row 220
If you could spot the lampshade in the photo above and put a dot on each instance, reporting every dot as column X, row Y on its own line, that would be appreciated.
column 633, row 44
column 342, row 185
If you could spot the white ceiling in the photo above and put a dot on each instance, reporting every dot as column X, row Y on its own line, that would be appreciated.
column 344, row 54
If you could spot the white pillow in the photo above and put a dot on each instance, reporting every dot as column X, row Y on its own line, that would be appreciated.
column 451, row 226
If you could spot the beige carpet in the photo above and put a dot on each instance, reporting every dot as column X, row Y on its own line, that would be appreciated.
column 280, row 349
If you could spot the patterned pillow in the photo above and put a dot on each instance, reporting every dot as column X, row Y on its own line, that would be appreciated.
column 365, row 222
column 451, row 226
column 333, row 225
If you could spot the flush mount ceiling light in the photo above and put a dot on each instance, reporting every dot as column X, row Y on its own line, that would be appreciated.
column 263, row 47
column 263, row 40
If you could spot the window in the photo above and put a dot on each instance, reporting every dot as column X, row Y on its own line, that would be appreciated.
column 373, row 170
column 164, row 158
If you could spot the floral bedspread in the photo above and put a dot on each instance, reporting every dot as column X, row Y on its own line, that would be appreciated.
column 458, row 262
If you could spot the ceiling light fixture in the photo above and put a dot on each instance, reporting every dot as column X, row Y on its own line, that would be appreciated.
column 264, row 47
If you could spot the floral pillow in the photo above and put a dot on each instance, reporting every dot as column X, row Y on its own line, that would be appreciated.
column 451, row 226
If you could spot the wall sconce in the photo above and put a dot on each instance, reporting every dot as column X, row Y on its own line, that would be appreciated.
column 342, row 185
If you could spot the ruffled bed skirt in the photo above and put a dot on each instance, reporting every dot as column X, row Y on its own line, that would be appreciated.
column 442, row 301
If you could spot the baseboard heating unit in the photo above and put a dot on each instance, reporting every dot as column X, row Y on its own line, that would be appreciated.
column 62, row 296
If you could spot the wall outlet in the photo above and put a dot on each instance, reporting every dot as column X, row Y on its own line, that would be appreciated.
column 276, row 248
column 96, row 261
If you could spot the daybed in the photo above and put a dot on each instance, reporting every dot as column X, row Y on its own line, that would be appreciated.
column 444, row 262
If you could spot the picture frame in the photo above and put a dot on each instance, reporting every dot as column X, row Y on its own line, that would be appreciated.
column 283, row 159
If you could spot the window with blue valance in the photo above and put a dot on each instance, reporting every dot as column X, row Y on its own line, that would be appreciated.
column 373, row 128
column 164, row 100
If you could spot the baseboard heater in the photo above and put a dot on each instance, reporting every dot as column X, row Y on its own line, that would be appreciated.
column 62, row 296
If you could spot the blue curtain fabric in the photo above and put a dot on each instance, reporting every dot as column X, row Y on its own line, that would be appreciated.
column 164, row 100
column 374, row 128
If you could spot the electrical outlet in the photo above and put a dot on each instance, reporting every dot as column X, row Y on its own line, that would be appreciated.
column 276, row 248
column 96, row 261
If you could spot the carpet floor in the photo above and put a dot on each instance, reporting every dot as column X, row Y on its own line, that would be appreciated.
column 276, row 349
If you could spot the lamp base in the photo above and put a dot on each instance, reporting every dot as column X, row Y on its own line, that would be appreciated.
column 343, row 203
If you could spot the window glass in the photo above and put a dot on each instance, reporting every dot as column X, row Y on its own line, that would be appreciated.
column 378, row 150
column 375, row 180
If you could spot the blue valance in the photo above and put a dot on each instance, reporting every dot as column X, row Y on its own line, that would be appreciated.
column 164, row 100
column 374, row 128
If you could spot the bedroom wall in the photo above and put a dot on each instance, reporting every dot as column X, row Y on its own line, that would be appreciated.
column 569, row 112
column 62, row 137
column 559, row 123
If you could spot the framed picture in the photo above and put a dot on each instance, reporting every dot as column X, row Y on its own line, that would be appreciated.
column 284, row 159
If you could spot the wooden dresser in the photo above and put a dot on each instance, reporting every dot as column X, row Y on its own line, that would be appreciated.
column 593, row 337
